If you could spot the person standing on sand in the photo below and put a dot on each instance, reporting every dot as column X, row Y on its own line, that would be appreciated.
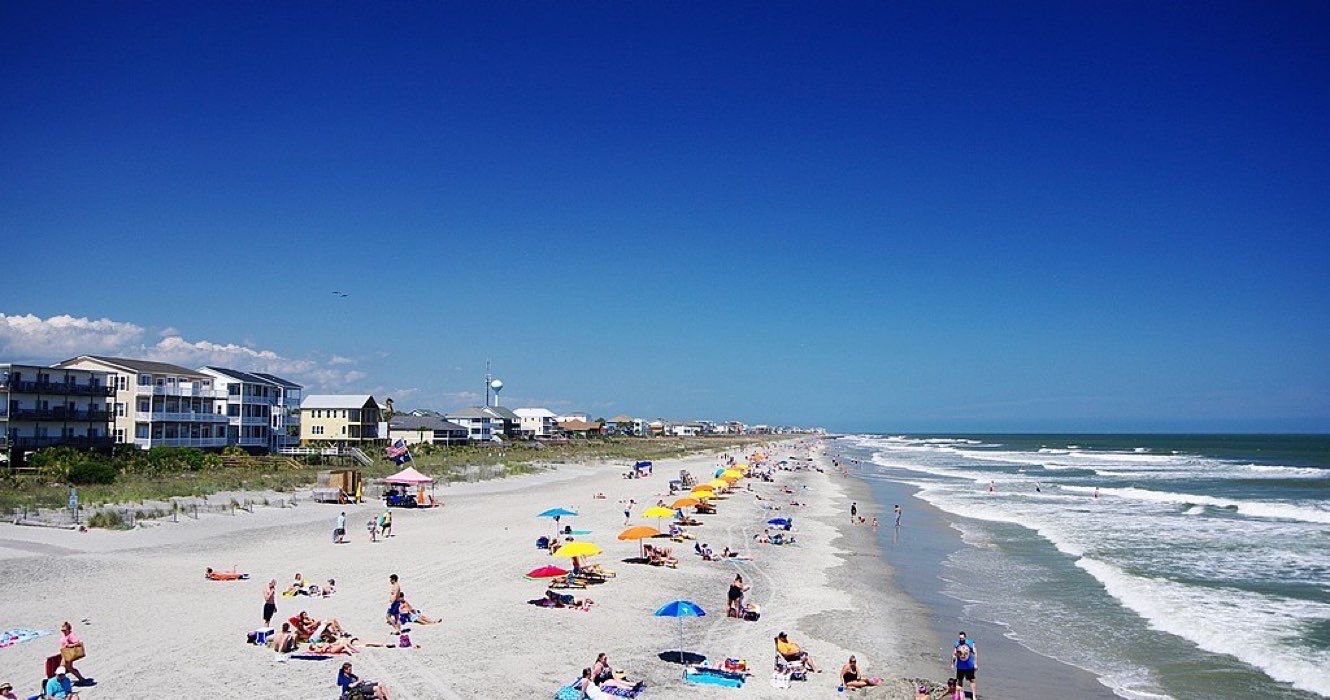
column 269, row 602
column 965, row 658
column 386, row 524
column 897, row 510
column 854, row 510
column 394, row 604
column 339, row 532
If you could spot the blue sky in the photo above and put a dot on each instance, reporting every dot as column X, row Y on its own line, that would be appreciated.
column 922, row 216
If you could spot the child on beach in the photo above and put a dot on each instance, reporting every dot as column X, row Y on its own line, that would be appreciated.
column 373, row 527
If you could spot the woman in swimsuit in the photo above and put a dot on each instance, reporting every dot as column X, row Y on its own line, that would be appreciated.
column 849, row 675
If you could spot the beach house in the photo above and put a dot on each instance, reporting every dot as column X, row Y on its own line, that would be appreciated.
column 158, row 404
column 286, row 411
column 432, row 430
column 256, row 407
column 481, row 425
column 45, row 407
column 536, row 423
column 581, row 428
column 339, row 419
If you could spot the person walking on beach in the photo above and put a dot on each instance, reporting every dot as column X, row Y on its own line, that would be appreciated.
column 394, row 604
column 386, row 524
column 965, row 658
column 897, row 510
column 339, row 532
column 269, row 602
column 854, row 510
column 734, row 599
column 628, row 511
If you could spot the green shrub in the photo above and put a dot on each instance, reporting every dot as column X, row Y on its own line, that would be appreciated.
column 91, row 471
column 109, row 519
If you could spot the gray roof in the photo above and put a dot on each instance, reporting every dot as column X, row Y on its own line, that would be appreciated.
column 504, row 413
column 469, row 412
column 278, row 380
column 409, row 422
column 144, row 366
column 337, row 401
column 238, row 375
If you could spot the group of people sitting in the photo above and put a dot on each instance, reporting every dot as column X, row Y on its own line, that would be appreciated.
column 299, row 587
column 769, row 537
column 600, row 680
column 660, row 556
column 555, row 599
column 708, row 554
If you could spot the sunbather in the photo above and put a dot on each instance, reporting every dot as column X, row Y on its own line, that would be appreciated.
column 791, row 652
column 305, row 626
column 341, row 646
column 414, row 615
column 297, row 587
column 849, row 674
column 353, row 687
column 231, row 575
column 554, row 599
column 284, row 642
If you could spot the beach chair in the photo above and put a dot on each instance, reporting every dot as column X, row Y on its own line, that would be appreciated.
column 570, row 581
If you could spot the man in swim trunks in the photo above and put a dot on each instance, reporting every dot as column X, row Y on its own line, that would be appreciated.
column 965, row 659
column 269, row 602
column 394, row 604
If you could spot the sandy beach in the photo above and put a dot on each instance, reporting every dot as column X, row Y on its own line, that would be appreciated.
column 153, row 623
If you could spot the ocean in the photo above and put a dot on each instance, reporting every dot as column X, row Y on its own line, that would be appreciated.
column 1169, row 566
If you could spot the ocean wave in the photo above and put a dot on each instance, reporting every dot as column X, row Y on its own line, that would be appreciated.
column 1258, row 509
column 1259, row 629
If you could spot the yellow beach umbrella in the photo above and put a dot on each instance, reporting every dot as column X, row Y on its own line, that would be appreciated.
column 577, row 549
column 741, row 467
column 703, row 493
column 733, row 473
column 718, row 484
column 686, row 502
column 729, row 480
column 658, row 512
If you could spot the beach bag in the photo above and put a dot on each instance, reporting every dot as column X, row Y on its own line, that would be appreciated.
column 72, row 653
column 404, row 640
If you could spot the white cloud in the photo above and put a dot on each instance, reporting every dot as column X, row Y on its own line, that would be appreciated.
column 61, row 337
column 36, row 339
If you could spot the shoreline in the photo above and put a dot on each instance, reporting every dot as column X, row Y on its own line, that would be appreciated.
column 928, row 537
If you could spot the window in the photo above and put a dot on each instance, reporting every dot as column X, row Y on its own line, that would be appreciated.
column 316, row 430
column 233, row 389
column 145, row 380
column 120, row 435
column 143, row 406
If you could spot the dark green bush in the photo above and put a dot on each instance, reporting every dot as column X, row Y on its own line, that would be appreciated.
column 91, row 471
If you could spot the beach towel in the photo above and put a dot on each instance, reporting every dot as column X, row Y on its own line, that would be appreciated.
column 313, row 657
column 568, row 692
column 19, row 635
column 624, row 692
column 714, row 676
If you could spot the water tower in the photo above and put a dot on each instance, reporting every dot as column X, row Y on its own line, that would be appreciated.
column 496, row 386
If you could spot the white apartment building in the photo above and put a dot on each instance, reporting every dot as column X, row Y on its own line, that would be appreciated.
column 257, row 408
column 158, row 404
column 536, row 422
column 481, row 425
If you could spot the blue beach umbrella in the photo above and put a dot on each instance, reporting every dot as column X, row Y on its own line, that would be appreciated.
column 780, row 522
column 681, row 609
column 556, row 513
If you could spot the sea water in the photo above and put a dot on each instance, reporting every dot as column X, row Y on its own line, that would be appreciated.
column 1189, row 566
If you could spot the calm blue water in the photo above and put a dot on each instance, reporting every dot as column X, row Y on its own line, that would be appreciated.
column 1200, row 569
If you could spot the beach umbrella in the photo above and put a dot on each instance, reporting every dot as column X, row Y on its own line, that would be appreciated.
column 686, row 502
column 732, row 473
column 658, row 513
column 577, row 549
column 719, row 472
column 718, row 484
column 702, row 494
column 546, row 572
column 681, row 609
column 780, row 522
column 556, row 513
column 639, row 532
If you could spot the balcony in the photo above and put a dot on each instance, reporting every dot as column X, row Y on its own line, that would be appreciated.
column 185, row 417
column 179, row 390
column 57, row 388
column 59, row 415
column 145, row 443
column 255, row 420
column 83, row 442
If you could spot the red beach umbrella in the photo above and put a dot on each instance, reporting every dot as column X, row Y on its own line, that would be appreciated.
column 546, row 572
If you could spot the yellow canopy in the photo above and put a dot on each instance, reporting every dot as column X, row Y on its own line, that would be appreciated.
column 732, row 473
column 703, row 492
column 638, row 532
column 718, row 484
column 729, row 480
column 577, row 549
column 685, row 502
column 658, row 512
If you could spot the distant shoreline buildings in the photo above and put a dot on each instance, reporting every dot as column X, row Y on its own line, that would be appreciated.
column 98, row 402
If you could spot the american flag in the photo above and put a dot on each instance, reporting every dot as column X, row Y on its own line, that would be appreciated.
column 398, row 452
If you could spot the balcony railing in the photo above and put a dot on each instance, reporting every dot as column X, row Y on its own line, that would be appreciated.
column 179, row 417
column 29, row 442
column 56, row 388
column 180, row 390
column 59, row 415
column 180, row 442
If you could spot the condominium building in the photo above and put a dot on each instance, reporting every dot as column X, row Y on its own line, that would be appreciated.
column 481, row 425
column 286, row 412
column 339, row 419
column 256, row 408
column 46, row 407
column 536, row 422
column 158, row 404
